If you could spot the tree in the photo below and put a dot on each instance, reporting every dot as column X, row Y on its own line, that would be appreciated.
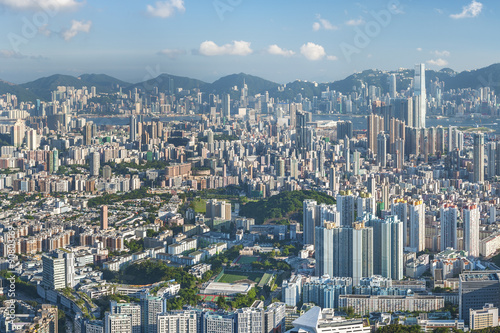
column 221, row 302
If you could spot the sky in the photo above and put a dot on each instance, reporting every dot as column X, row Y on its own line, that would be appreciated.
column 279, row 40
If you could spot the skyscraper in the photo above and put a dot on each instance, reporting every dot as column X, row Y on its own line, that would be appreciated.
column 344, row 251
column 95, row 163
column 104, row 217
column 491, row 155
column 417, row 225
column 32, row 140
column 392, row 85
column 18, row 133
column 151, row 306
column 345, row 206
column 471, row 230
column 114, row 323
column 226, row 106
column 449, row 227
column 420, row 101
column 478, row 158
column 388, row 245
column 400, row 209
column 382, row 150
column 133, row 128
column 375, row 126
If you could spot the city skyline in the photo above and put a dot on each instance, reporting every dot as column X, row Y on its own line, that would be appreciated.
column 322, row 41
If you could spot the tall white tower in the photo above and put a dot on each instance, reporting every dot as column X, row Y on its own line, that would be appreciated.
column 420, row 94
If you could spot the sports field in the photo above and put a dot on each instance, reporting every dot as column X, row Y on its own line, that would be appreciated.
column 233, row 277
column 245, row 260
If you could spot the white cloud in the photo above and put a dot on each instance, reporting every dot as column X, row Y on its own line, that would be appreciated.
column 355, row 22
column 313, row 51
column 76, row 27
column 323, row 24
column 172, row 53
column 443, row 53
column 166, row 9
column 419, row 49
column 241, row 48
column 471, row 10
column 332, row 58
column 37, row 4
column 437, row 62
column 276, row 50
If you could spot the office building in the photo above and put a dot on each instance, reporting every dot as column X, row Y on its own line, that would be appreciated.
column 483, row 318
column 491, row 153
column 400, row 209
column 58, row 269
column 382, row 150
column 477, row 288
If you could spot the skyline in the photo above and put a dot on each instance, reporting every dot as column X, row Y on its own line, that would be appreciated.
column 323, row 41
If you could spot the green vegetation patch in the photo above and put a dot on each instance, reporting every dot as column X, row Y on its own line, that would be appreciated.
column 234, row 277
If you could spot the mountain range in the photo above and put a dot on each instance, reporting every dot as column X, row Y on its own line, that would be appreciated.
column 42, row 88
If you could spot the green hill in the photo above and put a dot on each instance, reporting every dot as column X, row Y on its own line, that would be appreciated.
column 103, row 82
column 255, row 84
column 282, row 205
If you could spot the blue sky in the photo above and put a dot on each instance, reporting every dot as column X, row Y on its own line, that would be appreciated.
column 280, row 40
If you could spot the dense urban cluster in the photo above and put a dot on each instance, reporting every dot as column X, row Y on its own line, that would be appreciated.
column 173, row 210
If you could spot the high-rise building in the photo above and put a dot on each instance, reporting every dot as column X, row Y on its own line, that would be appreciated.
column 18, row 133
column 274, row 318
column 58, row 269
column 104, row 217
column 226, row 106
column 420, row 101
column 344, row 129
column 388, row 246
column 129, row 309
column 346, row 208
column 178, row 321
column 344, row 251
column 477, row 288
column 491, row 155
column 95, row 163
column 249, row 320
column 217, row 323
column 375, row 126
column 151, row 306
column 309, row 220
column 478, row 158
column 392, row 85
column 400, row 209
column 417, row 225
column 471, row 230
column 117, row 323
column 89, row 133
column 382, row 150
column 32, row 140
column 133, row 128
column 449, row 214
column 303, row 132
